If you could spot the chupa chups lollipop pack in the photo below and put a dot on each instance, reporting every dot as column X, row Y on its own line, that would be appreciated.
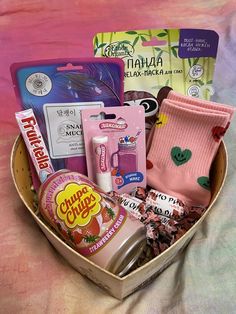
column 57, row 90
column 183, row 59
column 115, row 147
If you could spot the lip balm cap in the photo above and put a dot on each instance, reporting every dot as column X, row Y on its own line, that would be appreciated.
column 101, row 139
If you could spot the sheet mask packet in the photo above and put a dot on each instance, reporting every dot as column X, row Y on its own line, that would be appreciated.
column 183, row 59
column 57, row 90
column 119, row 156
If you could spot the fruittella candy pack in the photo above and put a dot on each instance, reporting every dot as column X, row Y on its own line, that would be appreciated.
column 57, row 90
column 183, row 59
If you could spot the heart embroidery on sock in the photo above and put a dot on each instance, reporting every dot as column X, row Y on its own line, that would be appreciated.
column 218, row 132
column 204, row 182
column 161, row 120
column 180, row 156
column 149, row 164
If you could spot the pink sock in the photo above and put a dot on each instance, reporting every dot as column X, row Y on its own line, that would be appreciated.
column 197, row 105
column 206, row 104
column 182, row 149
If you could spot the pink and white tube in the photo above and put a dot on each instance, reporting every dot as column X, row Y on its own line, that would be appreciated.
column 102, row 162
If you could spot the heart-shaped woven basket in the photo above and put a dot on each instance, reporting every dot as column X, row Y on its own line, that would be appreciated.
column 118, row 287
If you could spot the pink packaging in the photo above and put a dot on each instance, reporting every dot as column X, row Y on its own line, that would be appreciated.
column 115, row 147
column 102, row 165
column 91, row 222
column 35, row 144
column 57, row 90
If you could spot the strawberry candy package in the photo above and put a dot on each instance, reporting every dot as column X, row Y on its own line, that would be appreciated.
column 115, row 147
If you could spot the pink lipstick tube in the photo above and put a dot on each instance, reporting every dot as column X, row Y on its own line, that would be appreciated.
column 102, row 162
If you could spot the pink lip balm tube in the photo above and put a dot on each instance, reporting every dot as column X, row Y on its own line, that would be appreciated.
column 102, row 162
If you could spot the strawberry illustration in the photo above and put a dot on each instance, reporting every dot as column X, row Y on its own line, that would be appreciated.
column 122, row 173
column 114, row 172
column 78, row 237
column 107, row 214
column 119, row 181
column 64, row 233
column 91, row 231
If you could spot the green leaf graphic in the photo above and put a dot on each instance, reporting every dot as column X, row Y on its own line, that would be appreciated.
column 135, row 41
column 195, row 61
column 102, row 45
column 111, row 213
column 158, row 49
column 161, row 34
column 140, row 57
column 209, row 82
column 143, row 38
column 201, row 82
column 96, row 41
column 189, row 62
column 125, row 42
column 91, row 238
column 131, row 32
column 95, row 51
column 159, row 54
column 174, row 52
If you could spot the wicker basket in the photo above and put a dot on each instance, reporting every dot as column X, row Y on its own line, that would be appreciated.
column 118, row 287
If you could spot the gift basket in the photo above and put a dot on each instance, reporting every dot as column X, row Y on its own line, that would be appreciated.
column 121, row 156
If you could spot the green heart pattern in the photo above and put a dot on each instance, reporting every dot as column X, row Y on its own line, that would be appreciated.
column 204, row 182
column 180, row 156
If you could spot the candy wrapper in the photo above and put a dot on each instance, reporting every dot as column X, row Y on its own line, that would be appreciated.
column 165, row 217
column 35, row 144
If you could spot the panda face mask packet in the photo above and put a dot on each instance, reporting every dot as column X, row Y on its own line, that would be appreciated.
column 183, row 59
